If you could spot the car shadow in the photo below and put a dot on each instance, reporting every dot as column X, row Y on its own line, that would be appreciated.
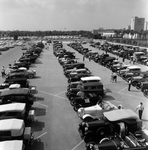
column 38, row 62
column 39, row 111
column 108, row 97
column 37, row 98
column 145, row 120
column 37, row 126
column 37, row 145
column 36, row 77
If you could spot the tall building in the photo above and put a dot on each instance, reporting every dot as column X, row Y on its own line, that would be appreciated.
column 137, row 24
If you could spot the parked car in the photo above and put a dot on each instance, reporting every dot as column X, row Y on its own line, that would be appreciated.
column 16, row 110
column 14, row 129
column 23, row 71
column 12, row 145
column 116, row 142
column 119, row 121
column 89, row 113
column 22, row 95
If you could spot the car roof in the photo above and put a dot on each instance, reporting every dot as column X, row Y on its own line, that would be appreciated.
column 11, row 124
column 20, row 91
column 19, row 107
column 134, row 67
column 120, row 114
column 11, row 145
column 90, row 78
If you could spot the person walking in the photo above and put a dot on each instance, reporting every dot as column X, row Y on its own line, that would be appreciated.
column 89, row 58
column 123, row 59
column 3, row 72
column 83, row 57
column 129, row 85
column 140, row 109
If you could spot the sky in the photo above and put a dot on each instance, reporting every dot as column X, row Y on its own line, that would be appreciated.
column 66, row 15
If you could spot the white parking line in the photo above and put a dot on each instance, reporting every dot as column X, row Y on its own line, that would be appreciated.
column 41, row 104
column 122, row 89
column 46, row 93
column 77, row 145
column 60, row 93
column 41, row 135
column 53, row 94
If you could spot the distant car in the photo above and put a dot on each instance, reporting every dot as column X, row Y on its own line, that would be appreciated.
column 24, row 48
column 90, row 113
column 119, row 121
column 23, row 71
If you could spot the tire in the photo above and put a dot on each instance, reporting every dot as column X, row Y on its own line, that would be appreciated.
column 134, row 83
column 89, row 137
column 30, row 76
column 88, row 119
column 101, row 132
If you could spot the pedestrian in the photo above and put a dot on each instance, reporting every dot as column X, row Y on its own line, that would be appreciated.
column 129, row 85
column 115, row 77
column 3, row 72
column 123, row 59
column 83, row 57
column 89, row 58
column 140, row 109
column 111, row 78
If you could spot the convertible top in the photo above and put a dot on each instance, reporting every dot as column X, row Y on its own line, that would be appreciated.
column 20, row 91
column 11, row 124
column 120, row 114
column 19, row 107
column 11, row 145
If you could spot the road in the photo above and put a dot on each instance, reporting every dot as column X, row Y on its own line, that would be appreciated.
column 56, row 122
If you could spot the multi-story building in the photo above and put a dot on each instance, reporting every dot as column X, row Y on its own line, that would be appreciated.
column 137, row 24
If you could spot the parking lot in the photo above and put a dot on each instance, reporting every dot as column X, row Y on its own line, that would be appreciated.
column 56, row 122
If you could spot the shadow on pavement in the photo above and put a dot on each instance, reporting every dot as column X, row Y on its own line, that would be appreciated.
column 37, row 145
column 108, row 97
column 37, row 125
column 39, row 111
column 39, row 98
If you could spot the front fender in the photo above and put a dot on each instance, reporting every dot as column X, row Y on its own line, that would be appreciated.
column 87, row 115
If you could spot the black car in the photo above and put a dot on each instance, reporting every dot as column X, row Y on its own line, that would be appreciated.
column 116, row 121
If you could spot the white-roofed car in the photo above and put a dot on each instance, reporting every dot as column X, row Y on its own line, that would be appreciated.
column 90, row 113
column 12, row 145
column 120, row 121
column 16, row 110
column 14, row 129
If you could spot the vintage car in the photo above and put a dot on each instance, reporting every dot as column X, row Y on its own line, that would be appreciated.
column 80, row 72
column 16, row 110
column 89, row 113
column 72, row 89
column 119, row 121
column 12, row 145
column 19, row 64
column 130, row 69
column 23, row 71
column 19, row 79
column 126, row 142
column 14, row 129
column 75, row 65
column 22, row 95
column 143, row 77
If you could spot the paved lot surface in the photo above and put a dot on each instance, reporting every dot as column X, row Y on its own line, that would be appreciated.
column 56, row 121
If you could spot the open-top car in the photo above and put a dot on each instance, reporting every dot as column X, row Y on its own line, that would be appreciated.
column 90, row 113
column 119, row 121
column 14, row 129
column 23, row 71
column 16, row 110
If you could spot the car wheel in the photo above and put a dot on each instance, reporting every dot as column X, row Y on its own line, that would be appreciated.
column 134, row 83
column 30, row 76
column 88, row 119
column 101, row 132
column 89, row 137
